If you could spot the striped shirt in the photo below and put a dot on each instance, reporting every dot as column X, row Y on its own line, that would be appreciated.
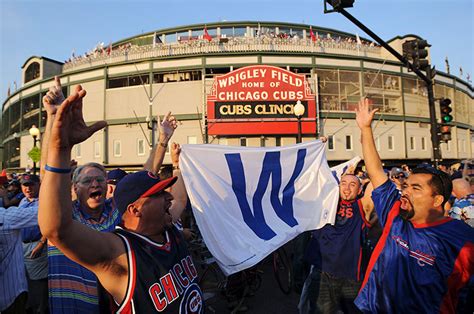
column 12, row 270
column 73, row 288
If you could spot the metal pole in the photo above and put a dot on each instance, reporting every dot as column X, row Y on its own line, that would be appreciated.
column 385, row 45
column 298, row 139
column 427, row 78
column 434, row 126
column 34, row 162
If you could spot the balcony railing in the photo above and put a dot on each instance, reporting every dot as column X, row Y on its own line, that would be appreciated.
column 222, row 46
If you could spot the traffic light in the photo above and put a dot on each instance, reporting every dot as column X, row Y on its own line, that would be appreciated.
column 341, row 4
column 445, row 110
column 445, row 133
column 415, row 50
column 446, row 117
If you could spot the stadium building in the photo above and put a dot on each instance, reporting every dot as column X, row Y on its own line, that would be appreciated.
column 237, row 83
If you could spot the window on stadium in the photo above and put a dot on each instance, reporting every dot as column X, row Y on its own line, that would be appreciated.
column 331, row 142
column 32, row 72
column 415, row 93
column 339, row 90
column 212, row 71
column 117, row 148
column 30, row 108
column 140, row 147
column 391, row 142
column 243, row 141
column 131, row 80
column 96, row 149
column 384, row 90
column 15, row 118
column 348, row 142
column 78, row 150
column 412, row 143
column 177, row 76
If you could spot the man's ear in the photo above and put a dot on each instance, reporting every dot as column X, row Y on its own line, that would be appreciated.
column 110, row 188
column 134, row 210
column 438, row 200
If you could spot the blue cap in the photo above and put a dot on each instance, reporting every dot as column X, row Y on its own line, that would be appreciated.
column 137, row 185
column 115, row 175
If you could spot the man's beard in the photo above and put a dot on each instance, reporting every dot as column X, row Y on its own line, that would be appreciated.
column 406, row 214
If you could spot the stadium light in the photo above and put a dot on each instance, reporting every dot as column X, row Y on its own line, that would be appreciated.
column 299, row 110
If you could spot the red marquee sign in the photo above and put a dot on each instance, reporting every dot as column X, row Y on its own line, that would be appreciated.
column 257, row 100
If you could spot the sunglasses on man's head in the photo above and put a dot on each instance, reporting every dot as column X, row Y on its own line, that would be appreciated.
column 400, row 176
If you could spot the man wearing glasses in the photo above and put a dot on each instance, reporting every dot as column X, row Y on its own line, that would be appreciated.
column 73, row 288
column 423, row 260
column 398, row 176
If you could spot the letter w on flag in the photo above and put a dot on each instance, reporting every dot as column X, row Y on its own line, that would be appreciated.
column 249, row 201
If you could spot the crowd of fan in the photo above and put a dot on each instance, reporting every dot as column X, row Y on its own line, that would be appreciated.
column 33, row 269
column 269, row 38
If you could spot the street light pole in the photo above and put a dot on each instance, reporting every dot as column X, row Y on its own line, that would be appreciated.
column 299, row 110
column 34, row 132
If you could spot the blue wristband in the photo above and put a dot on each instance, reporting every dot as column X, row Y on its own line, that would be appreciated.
column 56, row 170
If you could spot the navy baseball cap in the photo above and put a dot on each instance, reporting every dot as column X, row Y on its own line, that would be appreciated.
column 115, row 175
column 137, row 185
column 29, row 179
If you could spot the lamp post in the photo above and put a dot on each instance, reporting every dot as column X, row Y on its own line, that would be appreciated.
column 299, row 112
column 34, row 131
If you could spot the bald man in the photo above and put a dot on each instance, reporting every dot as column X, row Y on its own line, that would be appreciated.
column 463, row 207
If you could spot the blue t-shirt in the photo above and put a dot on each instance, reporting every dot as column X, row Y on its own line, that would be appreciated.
column 415, row 268
column 336, row 249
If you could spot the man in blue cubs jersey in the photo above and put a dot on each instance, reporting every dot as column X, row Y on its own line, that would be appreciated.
column 423, row 259
column 335, row 254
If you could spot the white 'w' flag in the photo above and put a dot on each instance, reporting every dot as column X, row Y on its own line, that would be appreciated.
column 249, row 201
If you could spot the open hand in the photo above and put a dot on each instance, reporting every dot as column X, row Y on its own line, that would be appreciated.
column 175, row 152
column 167, row 126
column 54, row 97
column 69, row 127
column 364, row 115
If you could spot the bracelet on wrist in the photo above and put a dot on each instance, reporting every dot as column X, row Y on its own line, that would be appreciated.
column 163, row 145
column 57, row 170
column 176, row 168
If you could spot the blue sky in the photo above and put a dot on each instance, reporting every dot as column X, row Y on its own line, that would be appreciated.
column 54, row 29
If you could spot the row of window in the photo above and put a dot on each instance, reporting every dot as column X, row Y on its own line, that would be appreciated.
column 117, row 147
column 166, row 77
column 391, row 143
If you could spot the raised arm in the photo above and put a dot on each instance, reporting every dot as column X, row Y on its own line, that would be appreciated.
column 51, row 101
column 364, row 117
column 84, row 245
column 157, row 155
column 178, row 190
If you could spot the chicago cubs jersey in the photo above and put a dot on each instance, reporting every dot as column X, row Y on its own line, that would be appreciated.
column 336, row 249
column 415, row 268
column 162, row 277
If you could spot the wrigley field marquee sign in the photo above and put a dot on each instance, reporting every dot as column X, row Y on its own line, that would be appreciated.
column 259, row 100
